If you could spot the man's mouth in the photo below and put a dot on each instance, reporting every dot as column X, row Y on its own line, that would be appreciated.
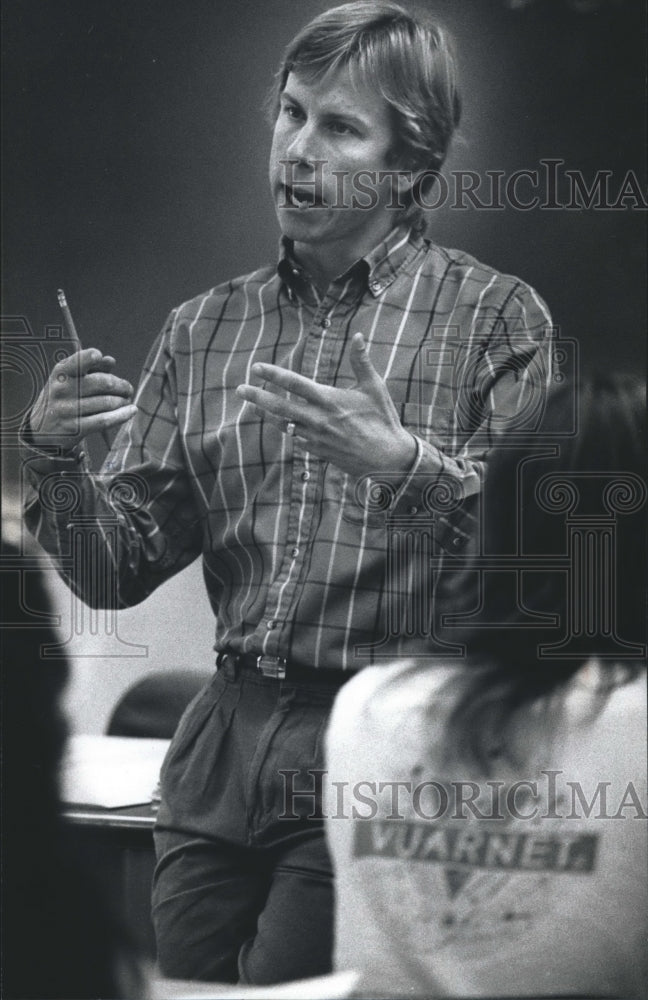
column 302, row 198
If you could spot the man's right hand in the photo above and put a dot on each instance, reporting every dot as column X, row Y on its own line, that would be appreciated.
column 82, row 395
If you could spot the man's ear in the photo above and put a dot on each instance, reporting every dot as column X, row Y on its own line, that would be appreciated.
column 402, row 182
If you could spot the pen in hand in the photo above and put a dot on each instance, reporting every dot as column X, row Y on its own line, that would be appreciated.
column 69, row 322
column 74, row 337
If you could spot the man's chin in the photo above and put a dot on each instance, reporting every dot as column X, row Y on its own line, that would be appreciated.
column 302, row 224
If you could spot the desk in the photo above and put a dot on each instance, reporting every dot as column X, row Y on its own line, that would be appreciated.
column 103, row 778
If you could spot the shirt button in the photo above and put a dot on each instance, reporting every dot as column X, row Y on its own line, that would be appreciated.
column 458, row 543
column 413, row 510
column 305, row 476
column 271, row 624
column 294, row 552
column 326, row 322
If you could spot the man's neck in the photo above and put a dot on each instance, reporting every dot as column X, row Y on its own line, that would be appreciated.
column 320, row 272
column 326, row 263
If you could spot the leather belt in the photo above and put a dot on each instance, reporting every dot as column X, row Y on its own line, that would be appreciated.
column 282, row 670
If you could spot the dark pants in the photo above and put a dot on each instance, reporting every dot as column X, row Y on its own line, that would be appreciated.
column 243, row 886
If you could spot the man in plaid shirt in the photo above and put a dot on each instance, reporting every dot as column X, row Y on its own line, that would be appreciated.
column 285, row 423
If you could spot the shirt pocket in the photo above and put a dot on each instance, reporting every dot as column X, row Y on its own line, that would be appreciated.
column 431, row 423
column 357, row 505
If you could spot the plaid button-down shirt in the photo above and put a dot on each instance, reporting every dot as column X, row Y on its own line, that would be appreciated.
column 299, row 558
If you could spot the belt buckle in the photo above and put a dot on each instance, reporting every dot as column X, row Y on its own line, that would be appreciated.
column 272, row 666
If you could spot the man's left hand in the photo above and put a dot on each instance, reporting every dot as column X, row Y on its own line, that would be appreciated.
column 356, row 429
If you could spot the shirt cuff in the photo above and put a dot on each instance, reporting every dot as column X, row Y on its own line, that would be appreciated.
column 41, row 460
column 421, row 495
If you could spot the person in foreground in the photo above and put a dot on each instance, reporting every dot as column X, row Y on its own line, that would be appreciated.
column 511, row 860
column 265, row 407
column 60, row 939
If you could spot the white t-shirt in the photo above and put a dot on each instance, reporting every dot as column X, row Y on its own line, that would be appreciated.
column 447, row 888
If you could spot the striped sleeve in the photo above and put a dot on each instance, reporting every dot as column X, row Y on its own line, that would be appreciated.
column 501, row 380
column 138, row 509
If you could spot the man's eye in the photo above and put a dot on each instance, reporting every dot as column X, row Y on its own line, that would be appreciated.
column 341, row 128
column 290, row 111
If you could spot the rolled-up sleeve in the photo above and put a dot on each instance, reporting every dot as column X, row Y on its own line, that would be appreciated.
column 501, row 378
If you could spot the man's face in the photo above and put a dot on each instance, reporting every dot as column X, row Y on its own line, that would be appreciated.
column 327, row 132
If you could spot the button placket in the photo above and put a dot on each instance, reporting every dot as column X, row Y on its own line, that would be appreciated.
column 282, row 592
column 316, row 362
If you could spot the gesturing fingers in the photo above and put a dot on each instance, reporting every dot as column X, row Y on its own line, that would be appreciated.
column 105, row 384
column 88, row 405
column 82, row 395
column 293, row 382
column 289, row 427
column 367, row 376
column 107, row 418
column 273, row 405
column 78, row 364
column 83, row 375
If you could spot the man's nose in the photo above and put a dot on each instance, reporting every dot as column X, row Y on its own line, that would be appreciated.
column 303, row 146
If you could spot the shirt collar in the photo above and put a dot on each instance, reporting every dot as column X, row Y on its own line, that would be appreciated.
column 377, row 269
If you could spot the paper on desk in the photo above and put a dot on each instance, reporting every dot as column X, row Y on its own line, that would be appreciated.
column 111, row 771
column 335, row 986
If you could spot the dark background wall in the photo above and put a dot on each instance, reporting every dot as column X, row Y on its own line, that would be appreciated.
column 135, row 157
